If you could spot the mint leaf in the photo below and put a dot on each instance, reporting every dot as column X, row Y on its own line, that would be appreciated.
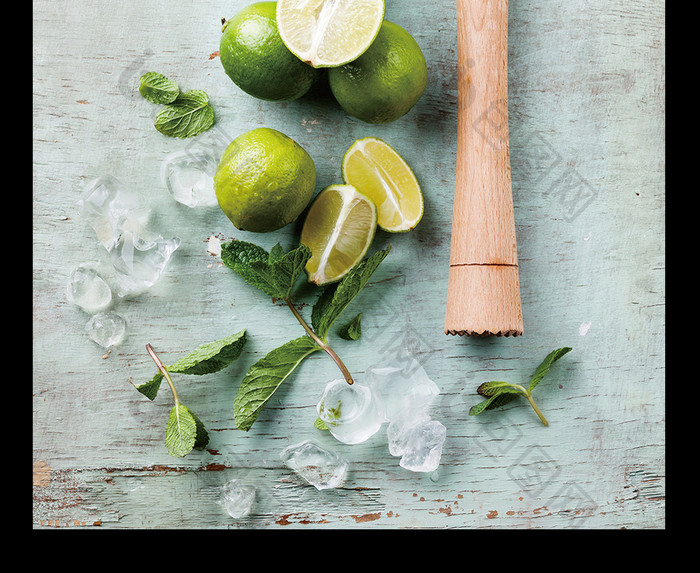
column 206, row 359
column 493, row 402
column 187, row 116
column 238, row 256
column 276, row 253
column 212, row 356
column 498, row 393
column 320, row 424
column 353, row 329
column 543, row 368
column 265, row 376
column 184, row 432
column 288, row 268
column 335, row 298
column 202, row 436
column 156, row 88
column 150, row 388
column 494, row 388
column 274, row 273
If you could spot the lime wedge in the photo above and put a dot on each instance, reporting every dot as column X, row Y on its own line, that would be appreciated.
column 329, row 33
column 375, row 169
column 339, row 228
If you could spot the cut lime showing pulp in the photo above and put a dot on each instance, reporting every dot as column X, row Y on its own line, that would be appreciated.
column 329, row 33
column 339, row 228
column 376, row 170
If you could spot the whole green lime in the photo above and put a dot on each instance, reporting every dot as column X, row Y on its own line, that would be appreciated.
column 257, row 61
column 264, row 180
column 385, row 82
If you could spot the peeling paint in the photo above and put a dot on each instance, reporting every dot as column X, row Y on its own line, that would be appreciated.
column 366, row 517
column 41, row 474
column 212, row 467
column 287, row 519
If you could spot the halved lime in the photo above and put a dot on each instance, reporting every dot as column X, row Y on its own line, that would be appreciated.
column 329, row 33
column 339, row 228
column 376, row 170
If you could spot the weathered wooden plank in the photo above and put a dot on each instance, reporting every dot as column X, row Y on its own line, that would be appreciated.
column 587, row 120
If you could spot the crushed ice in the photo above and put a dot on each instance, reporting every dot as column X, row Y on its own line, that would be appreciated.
column 138, row 256
column 399, row 392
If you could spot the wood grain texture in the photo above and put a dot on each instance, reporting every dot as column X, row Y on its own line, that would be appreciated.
column 483, row 231
column 483, row 292
column 586, row 125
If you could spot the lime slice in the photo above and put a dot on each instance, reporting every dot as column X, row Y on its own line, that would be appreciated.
column 375, row 169
column 339, row 228
column 329, row 33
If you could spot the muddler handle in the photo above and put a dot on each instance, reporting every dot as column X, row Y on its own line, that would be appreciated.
column 483, row 296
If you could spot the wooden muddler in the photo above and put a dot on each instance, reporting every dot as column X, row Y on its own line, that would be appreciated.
column 483, row 296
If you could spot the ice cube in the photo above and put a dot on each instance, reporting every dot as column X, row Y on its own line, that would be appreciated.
column 189, row 177
column 399, row 381
column 423, row 448
column 237, row 498
column 320, row 467
column 109, row 207
column 88, row 290
column 349, row 411
column 106, row 329
column 401, row 427
column 140, row 261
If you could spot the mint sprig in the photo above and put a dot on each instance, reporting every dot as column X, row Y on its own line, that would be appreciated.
column 183, row 114
column 275, row 274
column 499, row 393
column 184, row 430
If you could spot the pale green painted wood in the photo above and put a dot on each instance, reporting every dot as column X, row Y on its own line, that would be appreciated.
column 587, row 146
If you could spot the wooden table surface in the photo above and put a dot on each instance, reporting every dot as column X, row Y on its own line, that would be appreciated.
column 587, row 152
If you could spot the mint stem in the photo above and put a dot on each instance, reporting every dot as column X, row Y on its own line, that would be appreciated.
column 322, row 344
column 537, row 410
column 528, row 395
column 166, row 375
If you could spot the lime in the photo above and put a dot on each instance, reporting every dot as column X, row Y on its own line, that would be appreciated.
column 374, row 168
column 257, row 61
column 339, row 228
column 264, row 180
column 385, row 82
column 327, row 33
